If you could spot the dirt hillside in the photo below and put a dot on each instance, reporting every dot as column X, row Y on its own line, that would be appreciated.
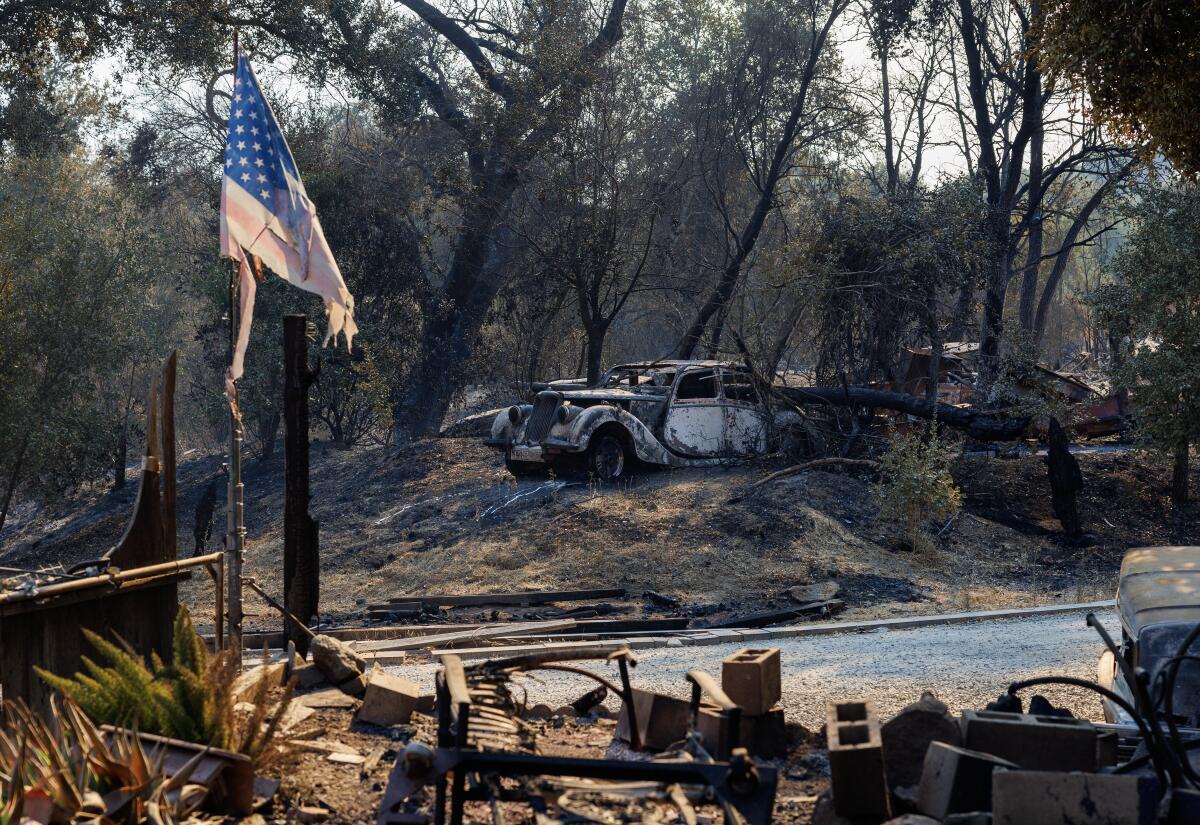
column 446, row 516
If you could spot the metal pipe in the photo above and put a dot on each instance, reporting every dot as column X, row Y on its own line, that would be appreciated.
column 117, row 578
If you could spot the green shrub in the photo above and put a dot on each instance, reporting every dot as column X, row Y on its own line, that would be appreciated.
column 192, row 699
column 916, row 484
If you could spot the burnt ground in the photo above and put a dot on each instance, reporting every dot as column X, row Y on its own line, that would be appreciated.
column 446, row 516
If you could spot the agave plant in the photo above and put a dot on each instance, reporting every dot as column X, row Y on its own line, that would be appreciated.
column 69, row 770
column 190, row 699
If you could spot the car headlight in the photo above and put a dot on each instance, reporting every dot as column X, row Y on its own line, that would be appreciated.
column 514, row 414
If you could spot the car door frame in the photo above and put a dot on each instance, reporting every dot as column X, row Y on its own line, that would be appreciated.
column 707, row 419
column 746, row 431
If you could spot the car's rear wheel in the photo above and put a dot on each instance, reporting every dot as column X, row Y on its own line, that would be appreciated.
column 606, row 458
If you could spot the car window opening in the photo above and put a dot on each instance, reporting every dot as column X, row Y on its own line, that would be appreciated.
column 698, row 385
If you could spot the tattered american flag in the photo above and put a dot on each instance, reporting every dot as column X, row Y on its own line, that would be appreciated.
column 266, row 214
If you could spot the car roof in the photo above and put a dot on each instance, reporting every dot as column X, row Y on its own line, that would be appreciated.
column 667, row 363
column 1159, row 585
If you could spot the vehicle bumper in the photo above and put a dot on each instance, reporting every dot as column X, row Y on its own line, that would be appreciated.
column 559, row 445
column 526, row 452
column 536, row 452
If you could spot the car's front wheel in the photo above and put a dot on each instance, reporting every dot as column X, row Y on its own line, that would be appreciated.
column 606, row 458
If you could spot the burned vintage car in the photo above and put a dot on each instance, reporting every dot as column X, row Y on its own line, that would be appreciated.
column 1158, row 599
column 666, row 413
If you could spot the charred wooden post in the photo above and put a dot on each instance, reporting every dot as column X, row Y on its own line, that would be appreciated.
column 301, row 557
column 1066, row 480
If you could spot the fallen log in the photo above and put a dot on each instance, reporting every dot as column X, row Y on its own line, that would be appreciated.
column 978, row 425
column 815, row 464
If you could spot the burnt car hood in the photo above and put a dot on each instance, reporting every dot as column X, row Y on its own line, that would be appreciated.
column 614, row 394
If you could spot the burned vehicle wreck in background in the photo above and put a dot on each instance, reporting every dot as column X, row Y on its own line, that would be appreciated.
column 664, row 413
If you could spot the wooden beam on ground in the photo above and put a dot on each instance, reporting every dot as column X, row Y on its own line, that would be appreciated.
column 582, row 649
column 444, row 639
column 255, row 641
column 517, row 598
column 773, row 617
column 396, row 610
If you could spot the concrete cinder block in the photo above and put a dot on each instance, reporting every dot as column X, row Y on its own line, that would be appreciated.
column 751, row 677
column 662, row 720
column 957, row 780
column 1051, row 798
column 764, row 735
column 856, row 760
column 1036, row 743
column 388, row 700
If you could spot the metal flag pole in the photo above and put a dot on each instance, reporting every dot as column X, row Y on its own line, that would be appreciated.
column 235, row 538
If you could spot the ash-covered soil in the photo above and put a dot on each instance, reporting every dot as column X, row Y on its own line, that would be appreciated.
column 445, row 516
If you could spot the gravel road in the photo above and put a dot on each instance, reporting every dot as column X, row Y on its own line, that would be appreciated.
column 966, row 665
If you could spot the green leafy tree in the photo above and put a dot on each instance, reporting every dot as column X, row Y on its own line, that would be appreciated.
column 1137, row 63
column 1153, row 302
column 82, row 306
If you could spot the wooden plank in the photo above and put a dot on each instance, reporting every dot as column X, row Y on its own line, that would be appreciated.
column 442, row 639
column 396, row 609
column 771, row 617
column 598, row 649
column 519, row 598
column 255, row 641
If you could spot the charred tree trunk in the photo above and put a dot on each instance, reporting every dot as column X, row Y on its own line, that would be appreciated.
column 123, row 439
column 1066, row 480
column 121, row 456
column 202, row 522
column 977, row 425
column 496, row 165
column 268, row 432
column 995, row 290
column 1179, row 474
column 452, row 325
column 1064, row 253
column 301, row 556
column 1036, row 235
column 745, row 241
column 595, row 352
column 13, row 478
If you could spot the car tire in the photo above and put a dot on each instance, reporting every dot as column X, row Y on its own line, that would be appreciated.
column 607, row 459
